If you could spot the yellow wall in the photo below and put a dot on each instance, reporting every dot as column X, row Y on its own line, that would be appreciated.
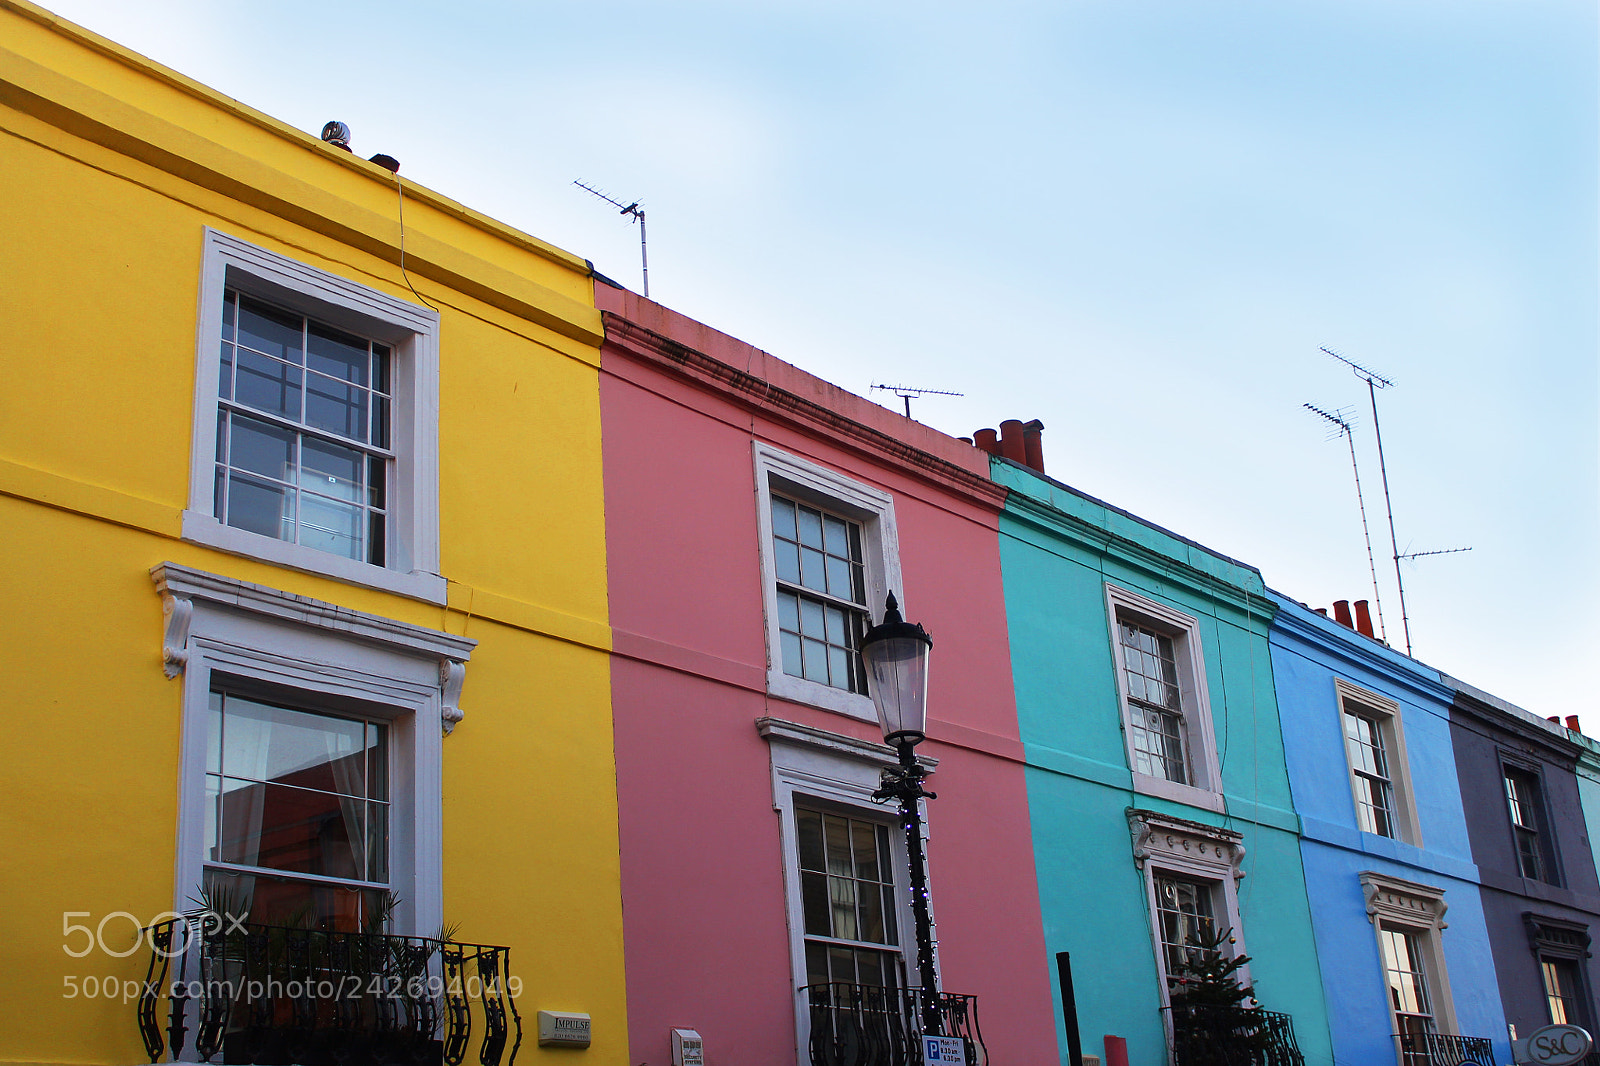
column 110, row 168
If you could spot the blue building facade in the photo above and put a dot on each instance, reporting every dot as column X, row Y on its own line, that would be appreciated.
column 1402, row 942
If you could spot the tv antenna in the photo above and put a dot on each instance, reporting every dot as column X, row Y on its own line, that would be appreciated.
column 636, row 212
column 1441, row 551
column 1376, row 381
column 907, row 393
column 1342, row 428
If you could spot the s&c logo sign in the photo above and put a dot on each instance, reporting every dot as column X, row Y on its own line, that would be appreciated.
column 1558, row 1045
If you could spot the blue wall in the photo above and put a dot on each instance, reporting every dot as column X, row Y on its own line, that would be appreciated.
column 1308, row 653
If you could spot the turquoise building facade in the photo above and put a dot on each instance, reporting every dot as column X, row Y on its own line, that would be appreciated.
column 1160, row 802
column 1394, row 890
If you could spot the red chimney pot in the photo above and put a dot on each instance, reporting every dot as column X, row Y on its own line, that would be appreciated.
column 1364, row 620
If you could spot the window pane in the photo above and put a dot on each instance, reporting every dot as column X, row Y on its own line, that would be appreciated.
column 813, row 573
column 261, row 508
column 786, row 557
column 263, row 742
column 267, row 384
column 294, row 829
column 814, row 901
column 810, row 527
column 814, row 659
column 816, row 964
column 835, row 536
column 839, row 668
column 839, row 579
column 331, row 469
column 811, row 619
column 331, row 526
column 792, row 664
column 783, row 519
column 337, row 354
column 377, row 842
column 270, row 331
column 261, row 448
column 284, row 901
column 808, row 832
column 336, row 407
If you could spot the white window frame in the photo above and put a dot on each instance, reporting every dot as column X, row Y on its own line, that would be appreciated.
column 819, row 486
column 1193, row 851
column 1391, row 731
column 1418, row 909
column 258, row 641
column 412, row 332
column 1193, row 697
column 834, row 771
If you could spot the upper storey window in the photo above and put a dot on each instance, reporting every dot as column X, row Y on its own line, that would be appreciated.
column 302, row 431
column 1155, row 711
column 1375, row 751
column 316, row 431
column 829, row 555
column 1166, row 712
column 821, row 593
column 1526, row 807
column 1369, row 767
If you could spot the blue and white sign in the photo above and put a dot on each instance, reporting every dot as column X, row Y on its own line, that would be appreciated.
column 944, row 1050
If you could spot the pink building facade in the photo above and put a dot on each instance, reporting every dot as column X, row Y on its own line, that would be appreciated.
column 755, row 517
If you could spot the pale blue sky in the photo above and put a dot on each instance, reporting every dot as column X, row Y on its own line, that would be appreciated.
column 1136, row 221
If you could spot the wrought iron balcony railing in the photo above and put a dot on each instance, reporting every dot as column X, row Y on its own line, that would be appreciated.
column 862, row 1025
column 1233, row 1036
column 275, row 995
column 1442, row 1049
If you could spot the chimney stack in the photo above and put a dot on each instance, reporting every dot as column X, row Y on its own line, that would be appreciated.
column 1341, row 614
column 1021, row 442
column 1572, row 723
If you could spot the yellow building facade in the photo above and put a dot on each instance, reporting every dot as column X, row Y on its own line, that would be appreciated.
column 303, row 547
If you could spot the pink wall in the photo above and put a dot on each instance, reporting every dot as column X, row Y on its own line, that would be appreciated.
column 707, row 944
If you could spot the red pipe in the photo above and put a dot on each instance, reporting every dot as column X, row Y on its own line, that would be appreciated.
column 1364, row 620
column 1341, row 613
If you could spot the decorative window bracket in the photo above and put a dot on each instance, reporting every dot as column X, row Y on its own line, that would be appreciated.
column 181, row 586
column 1405, row 902
column 1177, row 843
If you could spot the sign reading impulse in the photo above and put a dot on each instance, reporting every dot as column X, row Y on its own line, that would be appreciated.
column 1554, row 1045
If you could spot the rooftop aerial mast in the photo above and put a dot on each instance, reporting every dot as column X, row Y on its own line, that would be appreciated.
column 635, row 212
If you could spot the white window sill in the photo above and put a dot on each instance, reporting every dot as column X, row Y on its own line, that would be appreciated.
column 204, row 529
column 1161, row 788
column 799, row 690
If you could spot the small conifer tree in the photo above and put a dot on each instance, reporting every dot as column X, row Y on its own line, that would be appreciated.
column 1215, row 1017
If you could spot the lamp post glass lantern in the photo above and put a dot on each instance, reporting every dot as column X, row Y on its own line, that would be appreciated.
column 895, row 654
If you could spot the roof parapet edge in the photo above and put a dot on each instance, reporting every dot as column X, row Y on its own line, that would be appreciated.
column 756, row 392
column 1369, row 653
column 128, row 57
column 1046, row 516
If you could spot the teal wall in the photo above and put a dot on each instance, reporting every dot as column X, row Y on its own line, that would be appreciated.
column 1058, row 549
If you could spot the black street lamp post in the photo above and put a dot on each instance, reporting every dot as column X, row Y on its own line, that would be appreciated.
column 895, row 653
